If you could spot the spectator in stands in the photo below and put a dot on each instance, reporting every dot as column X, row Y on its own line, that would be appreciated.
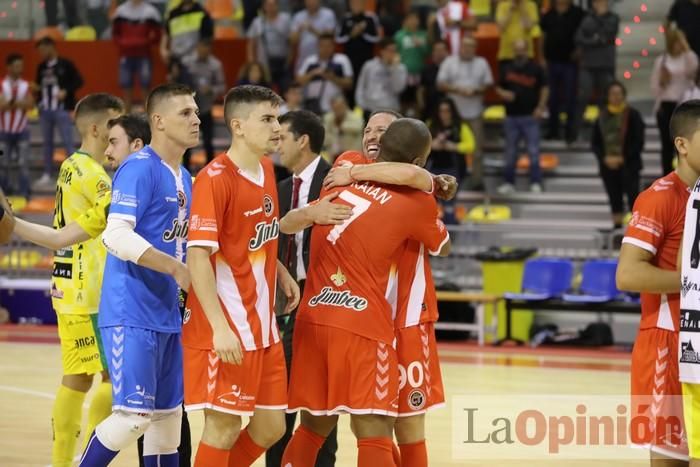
column 253, row 73
column 618, row 141
column 516, row 19
column 185, row 26
column 15, row 100
column 324, row 76
column 209, row 83
column 452, row 141
column 428, row 92
column 673, row 73
column 70, row 12
column 57, row 79
column 596, row 40
column 308, row 25
column 343, row 129
column 685, row 15
column 390, row 14
column 451, row 23
column 359, row 31
column 465, row 79
column 523, row 87
column 136, row 27
column 178, row 73
column 559, row 26
column 382, row 80
column 413, row 47
column 97, row 15
column 268, row 42
column 293, row 98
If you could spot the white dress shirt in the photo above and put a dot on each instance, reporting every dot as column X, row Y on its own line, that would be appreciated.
column 306, row 176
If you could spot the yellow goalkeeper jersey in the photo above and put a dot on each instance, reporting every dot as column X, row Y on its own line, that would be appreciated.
column 83, row 193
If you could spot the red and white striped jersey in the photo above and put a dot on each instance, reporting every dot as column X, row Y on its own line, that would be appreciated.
column 411, row 290
column 454, row 11
column 13, row 120
column 238, row 217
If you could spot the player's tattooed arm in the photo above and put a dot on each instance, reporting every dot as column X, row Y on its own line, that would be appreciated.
column 226, row 344
column 323, row 212
column 390, row 173
column 53, row 239
column 637, row 273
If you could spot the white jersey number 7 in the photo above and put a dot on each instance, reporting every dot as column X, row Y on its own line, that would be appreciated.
column 359, row 206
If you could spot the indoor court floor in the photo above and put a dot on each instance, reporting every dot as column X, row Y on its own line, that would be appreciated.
column 502, row 381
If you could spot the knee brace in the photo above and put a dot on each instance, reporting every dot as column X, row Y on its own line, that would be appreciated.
column 163, row 436
column 122, row 429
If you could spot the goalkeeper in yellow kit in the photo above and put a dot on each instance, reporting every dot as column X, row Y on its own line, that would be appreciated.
column 83, row 194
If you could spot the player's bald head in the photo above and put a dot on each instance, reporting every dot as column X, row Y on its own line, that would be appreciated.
column 406, row 140
column 161, row 94
column 241, row 100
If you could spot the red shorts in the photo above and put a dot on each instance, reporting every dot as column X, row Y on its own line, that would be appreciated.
column 336, row 371
column 260, row 382
column 420, row 383
column 656, row 392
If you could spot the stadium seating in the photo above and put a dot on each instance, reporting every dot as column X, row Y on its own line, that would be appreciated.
column 544, row 278
column 597, row 283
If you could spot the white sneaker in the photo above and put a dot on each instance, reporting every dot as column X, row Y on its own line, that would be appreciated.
column 536, row 188
column 506, row 189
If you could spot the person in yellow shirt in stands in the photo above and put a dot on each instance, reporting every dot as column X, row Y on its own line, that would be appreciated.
column 516, row 19
column 83, row 195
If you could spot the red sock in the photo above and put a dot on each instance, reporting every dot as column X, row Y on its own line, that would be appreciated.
column 209, row 456
column 374, row 452
column 303, row 448
column 244, row 451
column 396, row 454
column 414, row 454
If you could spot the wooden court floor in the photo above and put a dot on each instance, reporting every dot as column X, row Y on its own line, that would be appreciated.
column 30, row 373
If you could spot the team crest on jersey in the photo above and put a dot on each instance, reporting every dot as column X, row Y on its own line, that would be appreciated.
column 268, row 205
column 181, row 199
column 186, row 316
column 416, row 399
column 339, row 278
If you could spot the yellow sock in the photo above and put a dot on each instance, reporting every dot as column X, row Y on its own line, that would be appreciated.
column 67, row 415
column 100, row 408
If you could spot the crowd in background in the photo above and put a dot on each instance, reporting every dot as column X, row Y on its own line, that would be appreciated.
column 345, row 60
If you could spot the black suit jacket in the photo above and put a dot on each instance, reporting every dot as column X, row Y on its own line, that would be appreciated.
column 284, row 191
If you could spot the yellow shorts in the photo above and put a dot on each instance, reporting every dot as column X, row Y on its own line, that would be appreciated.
column 691, row 412
column 81, row 344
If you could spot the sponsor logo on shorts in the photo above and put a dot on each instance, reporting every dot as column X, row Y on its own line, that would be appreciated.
column 140, row 396
column 91, row 358
column 235, row 392
column 344, row 299
column 84, row 342
column 688, row 353
column 416, row 399
column 690, row 320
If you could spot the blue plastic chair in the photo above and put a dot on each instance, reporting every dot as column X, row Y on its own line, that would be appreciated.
column 597, row 284
column 544, row 278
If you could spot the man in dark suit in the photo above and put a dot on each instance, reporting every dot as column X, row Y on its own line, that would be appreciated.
column 302, row 135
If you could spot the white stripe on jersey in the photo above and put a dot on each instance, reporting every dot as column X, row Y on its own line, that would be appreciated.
column 664, row 320
column 262, row 304
column 392, row 292
column 231, row 297
column 641, row 244
column 14, row 121
column 417, row 296
column 689, row 337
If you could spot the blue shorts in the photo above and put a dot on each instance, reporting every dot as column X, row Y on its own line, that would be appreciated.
column 130, row 66
column 145, row 367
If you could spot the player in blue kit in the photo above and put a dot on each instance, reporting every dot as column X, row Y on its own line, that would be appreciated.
column 139, row 317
